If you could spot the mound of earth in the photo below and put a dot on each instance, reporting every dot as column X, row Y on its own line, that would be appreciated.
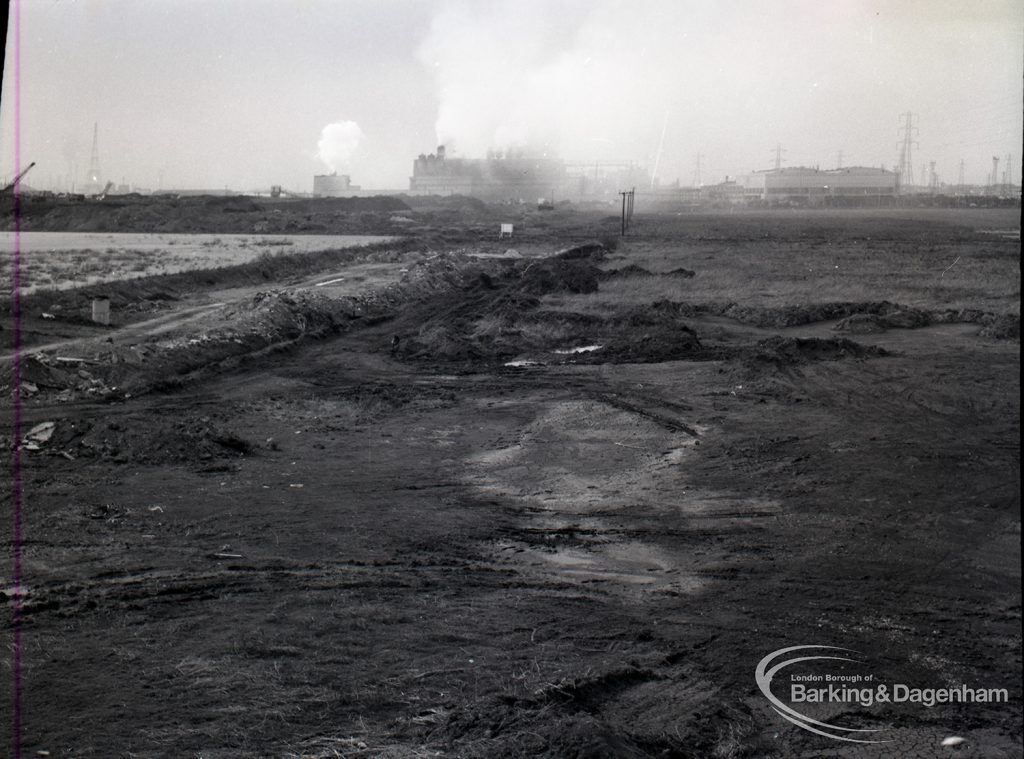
column 210, row 214
column 559, row 275
column 370, row 204
column 1005, row 327
column 469, row 312
column 153, row 439
column 593, row 250
column 442, row 343
column 444, row 202
column 632, row 270
column 798, row 350
column 666, row 344
column 660, row 312
column 862, row 324
column 681, row 272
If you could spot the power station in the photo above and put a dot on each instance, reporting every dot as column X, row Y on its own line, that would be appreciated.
column 518, row 176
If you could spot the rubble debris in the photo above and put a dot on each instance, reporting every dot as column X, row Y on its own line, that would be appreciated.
column 39, row 436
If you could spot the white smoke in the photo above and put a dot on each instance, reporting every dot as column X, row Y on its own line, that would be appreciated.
column 338, row 142
column 569, row 78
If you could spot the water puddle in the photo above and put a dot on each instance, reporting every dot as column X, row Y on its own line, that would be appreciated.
column 582, row 349
column 630, row 564
column 1008, row 234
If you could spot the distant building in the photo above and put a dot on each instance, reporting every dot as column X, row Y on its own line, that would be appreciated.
column 519, row 176
column 333, row 185
column 727, row 191
column 802, row 185
column 511, row 177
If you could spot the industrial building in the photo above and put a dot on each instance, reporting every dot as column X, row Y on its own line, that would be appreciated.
column 856, row 185
column 333, row 185
column 513, row 177
column 516, row 176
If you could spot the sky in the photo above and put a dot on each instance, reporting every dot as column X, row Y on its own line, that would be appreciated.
column 245, row 94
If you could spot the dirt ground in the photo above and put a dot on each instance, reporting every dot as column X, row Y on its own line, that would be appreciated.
column 532, row 504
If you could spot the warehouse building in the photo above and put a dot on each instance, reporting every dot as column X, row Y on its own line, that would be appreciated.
column 856, row 185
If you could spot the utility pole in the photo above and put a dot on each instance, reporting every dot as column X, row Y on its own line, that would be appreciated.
column 627, row 208
column 906, row 145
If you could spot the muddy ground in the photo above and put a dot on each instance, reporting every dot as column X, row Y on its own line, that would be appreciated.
column 544, row 505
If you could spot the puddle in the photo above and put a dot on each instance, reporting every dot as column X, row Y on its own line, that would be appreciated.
column 583, row 349
column 630, row 563
column 330, row 282
column 1009, row 234
column 522, row 363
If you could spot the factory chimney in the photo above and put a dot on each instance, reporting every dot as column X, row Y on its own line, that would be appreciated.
column 440, row 152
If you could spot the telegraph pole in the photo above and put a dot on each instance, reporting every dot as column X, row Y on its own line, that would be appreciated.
column 627, row 208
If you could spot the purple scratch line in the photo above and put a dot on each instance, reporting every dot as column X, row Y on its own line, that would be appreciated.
column 17, row 383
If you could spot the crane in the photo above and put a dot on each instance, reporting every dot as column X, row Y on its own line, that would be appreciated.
column 11, row 187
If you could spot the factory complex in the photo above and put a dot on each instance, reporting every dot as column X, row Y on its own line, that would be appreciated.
column 812, row 185
column 518, row 176
column 521, row 176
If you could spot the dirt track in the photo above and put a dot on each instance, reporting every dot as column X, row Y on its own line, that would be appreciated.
column 366, row 550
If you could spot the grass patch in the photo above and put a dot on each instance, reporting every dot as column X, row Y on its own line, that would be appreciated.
column 965, row 274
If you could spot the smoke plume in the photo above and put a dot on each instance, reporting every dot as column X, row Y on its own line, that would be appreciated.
column 576, row 79
column 338, row 142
